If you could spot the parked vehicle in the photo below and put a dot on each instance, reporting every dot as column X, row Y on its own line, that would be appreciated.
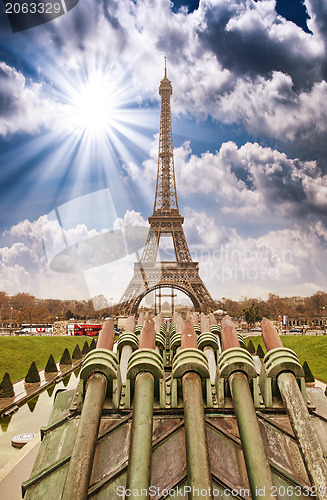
column 35, row 328
column 83, row 329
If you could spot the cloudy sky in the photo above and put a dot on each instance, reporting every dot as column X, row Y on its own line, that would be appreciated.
column 79, row 126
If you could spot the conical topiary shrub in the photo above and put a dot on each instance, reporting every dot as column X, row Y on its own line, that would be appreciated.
column 260, row 352
column 86, row 348
column 50, row 390
column 6, row 387
column 92, row 345
column 250, row 347
column 31, row 403
column 308, row 377
column 66, row 379
column 4, row 423
column 65, row 358
column 77, row 353
column 32, row 376
column 51, row 366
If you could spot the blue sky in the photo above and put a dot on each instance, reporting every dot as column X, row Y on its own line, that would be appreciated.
column 79, row 127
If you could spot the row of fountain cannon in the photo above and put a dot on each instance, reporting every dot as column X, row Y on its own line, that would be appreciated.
column 201, row 356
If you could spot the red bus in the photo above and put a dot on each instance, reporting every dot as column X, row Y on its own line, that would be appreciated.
column 83, row 329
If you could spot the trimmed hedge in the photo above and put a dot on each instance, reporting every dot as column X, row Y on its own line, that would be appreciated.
column 308, row 377
column 32, row 376
column 85, row 349
column 77, row 354
column 260, row 352
column 51, row 366
column 65, row 358
column 6, row 387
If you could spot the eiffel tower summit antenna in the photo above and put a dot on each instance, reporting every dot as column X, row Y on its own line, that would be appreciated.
column 149, row 273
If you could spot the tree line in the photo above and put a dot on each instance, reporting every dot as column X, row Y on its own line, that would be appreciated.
column 302, row 308
column 25, row 308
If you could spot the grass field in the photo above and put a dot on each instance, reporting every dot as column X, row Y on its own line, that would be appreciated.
column 312, row 349
column 17, row 353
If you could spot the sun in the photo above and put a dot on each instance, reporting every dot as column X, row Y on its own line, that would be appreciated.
column 94, row 105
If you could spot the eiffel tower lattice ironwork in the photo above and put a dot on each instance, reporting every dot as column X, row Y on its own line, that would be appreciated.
column 181, row 274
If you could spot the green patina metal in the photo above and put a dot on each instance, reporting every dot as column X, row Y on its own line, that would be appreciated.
column 188, row 360
column 198, row 468
column 103, row 361
column 235, row 359
column 282, row 359
column 138, row 329
column 163, row 444
column 175, row 341
column 197, row 329
column 241, row 340
column 127, row 338
column 161, row 340
column 308, row 441
column 146, row 360
column 81, row 461
column 257, row 465
column 275, row 362
column 139, row 460
column 208, row 339
column 100, row 361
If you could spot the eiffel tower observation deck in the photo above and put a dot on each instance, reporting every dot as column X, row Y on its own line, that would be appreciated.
column 153, row 274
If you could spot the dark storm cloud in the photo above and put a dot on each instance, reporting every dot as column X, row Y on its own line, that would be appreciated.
column 251, row 49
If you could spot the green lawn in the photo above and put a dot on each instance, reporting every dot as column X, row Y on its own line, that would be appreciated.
column 312, row 349
column 17, row 353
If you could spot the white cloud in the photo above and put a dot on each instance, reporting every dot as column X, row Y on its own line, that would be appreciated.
column 131, row 218
column 25, row 266
column 255, row 267
column 230, row 264
column 237, row 61
column 23, row 105
column 270, row 107
column 250, row 179
column 202, row 232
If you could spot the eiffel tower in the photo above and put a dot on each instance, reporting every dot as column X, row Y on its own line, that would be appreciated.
column 181, row 274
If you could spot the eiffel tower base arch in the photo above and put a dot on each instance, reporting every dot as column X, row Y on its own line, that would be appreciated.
column 180, row 276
